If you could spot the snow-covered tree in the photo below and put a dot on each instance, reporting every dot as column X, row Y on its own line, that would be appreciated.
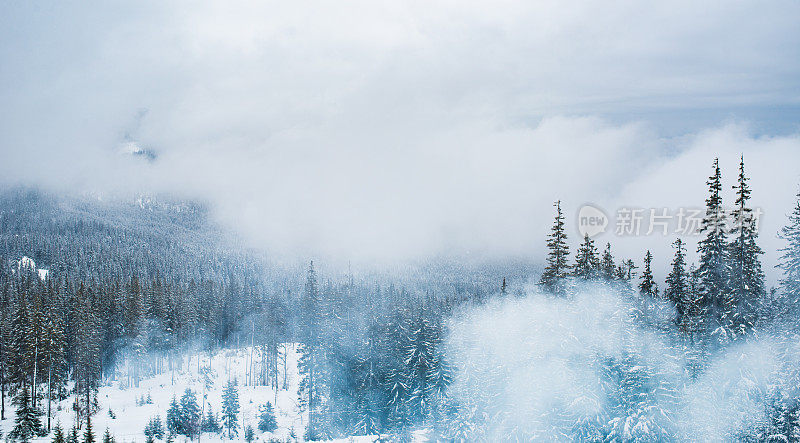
column 677, row 288
column 790, row 259
column 714, row 265
column 587, row 262
column 27, row 424
column 648, row 284
column 266, row 418
column 230, row 409
column 557, row 268
column 746, row 279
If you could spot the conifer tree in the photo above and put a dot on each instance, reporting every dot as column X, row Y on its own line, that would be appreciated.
column 557, row 268
column 174, row 417
column 230, row 409
column 189, row 414
column 210, row 423
column 266, row 418
column 714, row 267
column 73, row 435
column 107, row 438
column 790, row 258
column 677, row 289
column 27, row 424
column 648, row 284
column 587, row 263
column 746, row 282
column 58, row 434
column 88, row 434
column 607, row 266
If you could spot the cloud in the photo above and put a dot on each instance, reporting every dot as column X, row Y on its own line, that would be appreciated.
column 397, row 130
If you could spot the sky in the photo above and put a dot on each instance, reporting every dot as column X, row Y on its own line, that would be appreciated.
column 380, row 131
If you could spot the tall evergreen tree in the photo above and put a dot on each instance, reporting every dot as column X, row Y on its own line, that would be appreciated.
column 557, row 268
column 713, row 271
column 790, row 258
column 189, row 414
column 607, row 266
column 230, row 409
column 587, row 263
column 677, row 289
column 746, row 282
column 648, row 284
column 27, row 425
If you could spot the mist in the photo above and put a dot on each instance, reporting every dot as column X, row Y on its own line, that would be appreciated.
column 402, row 132
column 545, row 367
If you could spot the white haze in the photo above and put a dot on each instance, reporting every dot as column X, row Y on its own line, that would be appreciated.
column 378, row 131
column 532, row 366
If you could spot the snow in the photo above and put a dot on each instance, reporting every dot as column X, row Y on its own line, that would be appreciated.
column 131, row 419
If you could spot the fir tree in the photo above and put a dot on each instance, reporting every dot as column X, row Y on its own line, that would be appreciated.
column 174, row 425
column 713, row 270
column 230, row 409
column 557, row 268
column 607, row 266
column 648, row 284
column 73, row 435
column 58, row 434
column 266, row 418
column 587, row 263
column 88, row 434
column 189, row 414
column 677, row 289
column 107, row 438
column 249, row 435
column 210, row 423
column 746, row 281
column 790, row 259
column 27, row 424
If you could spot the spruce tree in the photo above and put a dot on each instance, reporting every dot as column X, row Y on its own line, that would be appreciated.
column 789, row 261
column 713, row 271
column 557, row 268
column 107, row 438
column 27, row 424
column 230, row 409
column 677, row 288
column 746, row 282
column 189, row 414
column 174, row 425
column 88, row 434
column 266, row 418
column 73, row 435
column 587, row 263
column 648, row 284
column 58, row 434
column 607, row 266
column 210, row 423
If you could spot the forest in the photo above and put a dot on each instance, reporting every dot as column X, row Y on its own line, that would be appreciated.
column 587, row 347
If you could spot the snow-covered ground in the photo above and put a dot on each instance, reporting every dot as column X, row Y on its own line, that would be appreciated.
column 131, row 419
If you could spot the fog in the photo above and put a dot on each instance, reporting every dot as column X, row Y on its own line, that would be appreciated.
column 550, row 368
column 382, row 132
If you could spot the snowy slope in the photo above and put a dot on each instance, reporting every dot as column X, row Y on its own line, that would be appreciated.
column 131, row 419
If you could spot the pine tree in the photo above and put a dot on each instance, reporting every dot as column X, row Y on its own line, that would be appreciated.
column 790, row 259
column 107, row 438
column 189, row 414
column 249, row 435
column 88, row 434
column 73, row 435
column 648, row 284
column 312, row 357
column 174, row 425
column 714, row 270
column 746, row 281
column 587, row 263
column 266, row 418
column 27, row 425
column 607, row 266
column 677, row 290
column 210, row 423
column 557, row 268
column 230, row 409
column 58, row 434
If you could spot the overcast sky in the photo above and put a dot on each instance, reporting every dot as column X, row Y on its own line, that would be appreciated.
column 383, row 130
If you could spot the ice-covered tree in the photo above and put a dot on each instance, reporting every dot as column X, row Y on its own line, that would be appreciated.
column 790, row 259
column 714, row 269
column 266, row 418
column 230, row 409
column 557, row 268
column 746, row 278
column 677, row 288
column 587, row 262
